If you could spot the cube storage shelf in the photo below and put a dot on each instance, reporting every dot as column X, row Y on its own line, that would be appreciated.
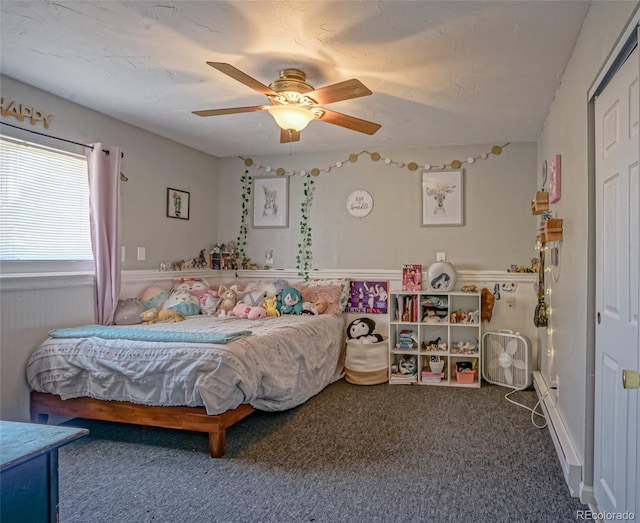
column 434, row 338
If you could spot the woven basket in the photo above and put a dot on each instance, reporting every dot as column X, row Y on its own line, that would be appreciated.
column 367, row 363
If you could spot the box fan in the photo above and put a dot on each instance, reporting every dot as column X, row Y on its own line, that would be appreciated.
column 506, row 359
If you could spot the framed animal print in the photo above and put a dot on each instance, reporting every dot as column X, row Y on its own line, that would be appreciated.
column 271, row 202
column 442, row 198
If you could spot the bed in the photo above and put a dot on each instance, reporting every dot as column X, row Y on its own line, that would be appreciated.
column 202, row 374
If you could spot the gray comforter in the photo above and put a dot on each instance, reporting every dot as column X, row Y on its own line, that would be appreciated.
column 283, row 363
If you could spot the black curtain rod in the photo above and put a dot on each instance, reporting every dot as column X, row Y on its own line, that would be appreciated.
column 106, row 151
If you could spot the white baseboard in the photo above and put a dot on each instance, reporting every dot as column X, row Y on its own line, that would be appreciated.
column 586, row 494
column 567, row 455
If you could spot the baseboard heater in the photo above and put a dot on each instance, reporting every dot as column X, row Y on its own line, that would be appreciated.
column 567, row 455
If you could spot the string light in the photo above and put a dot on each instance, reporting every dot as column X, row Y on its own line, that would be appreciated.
column 375, row 156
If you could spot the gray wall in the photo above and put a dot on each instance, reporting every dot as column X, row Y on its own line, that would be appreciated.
column 151, row 163
column 566, row 133
column 499, row 228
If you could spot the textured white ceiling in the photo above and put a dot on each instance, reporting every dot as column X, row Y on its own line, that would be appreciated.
column 442, row 73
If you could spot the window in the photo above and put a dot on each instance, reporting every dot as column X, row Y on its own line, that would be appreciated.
column 44, row 205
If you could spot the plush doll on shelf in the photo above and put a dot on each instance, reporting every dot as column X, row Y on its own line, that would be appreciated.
column 408, row 365
column 291, row 301
column 361, row 330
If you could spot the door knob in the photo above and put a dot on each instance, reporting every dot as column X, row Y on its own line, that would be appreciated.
column 630, row 379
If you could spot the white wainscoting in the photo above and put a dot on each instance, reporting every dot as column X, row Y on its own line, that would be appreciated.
column 31, row 305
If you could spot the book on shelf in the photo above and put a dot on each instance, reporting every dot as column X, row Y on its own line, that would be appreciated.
column 407, row 308
column 412, row 277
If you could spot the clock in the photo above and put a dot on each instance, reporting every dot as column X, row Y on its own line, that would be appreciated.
column 359, row 203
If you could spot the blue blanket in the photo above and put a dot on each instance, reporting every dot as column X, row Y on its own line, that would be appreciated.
column 142, row 334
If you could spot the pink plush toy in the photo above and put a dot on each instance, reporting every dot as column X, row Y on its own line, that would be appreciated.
column 195, row 286
column 242, row 310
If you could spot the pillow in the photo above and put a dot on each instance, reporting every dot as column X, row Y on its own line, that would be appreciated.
column 195, row 286
column 153, row 297
column 342, row 283
column 270, row 287
column 330, row 294
column 184, row 302
column 128, row 312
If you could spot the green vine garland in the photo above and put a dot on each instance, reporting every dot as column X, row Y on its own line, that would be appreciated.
column 241, row 240
column 303, row 259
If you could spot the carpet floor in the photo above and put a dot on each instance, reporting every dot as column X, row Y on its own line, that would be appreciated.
column 383, row 453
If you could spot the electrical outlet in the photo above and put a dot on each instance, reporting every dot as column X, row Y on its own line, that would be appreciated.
column 123, row 253
column 142, row 253
column 441, row 256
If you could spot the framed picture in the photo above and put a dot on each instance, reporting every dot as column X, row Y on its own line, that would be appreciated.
column 442, row 198
column 555, row 179
column 368, row 297
column 271, row 202
column 178, row 203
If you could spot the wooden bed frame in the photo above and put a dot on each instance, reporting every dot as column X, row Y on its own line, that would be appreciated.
column 183, row 418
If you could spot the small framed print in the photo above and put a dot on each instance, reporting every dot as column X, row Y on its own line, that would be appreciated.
column 271, row 202
column 555, row 179
column 178, row 203
column 442, row 198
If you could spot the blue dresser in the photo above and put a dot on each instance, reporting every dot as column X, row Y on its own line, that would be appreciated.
column 29, row 470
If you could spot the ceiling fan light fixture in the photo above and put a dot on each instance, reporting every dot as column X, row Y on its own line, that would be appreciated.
column 291, row 117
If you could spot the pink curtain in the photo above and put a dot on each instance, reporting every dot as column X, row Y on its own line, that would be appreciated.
column 104, row 198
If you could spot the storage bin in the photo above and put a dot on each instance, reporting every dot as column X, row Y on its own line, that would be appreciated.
column 466, row 377
column 367, row 363
column 436, row 366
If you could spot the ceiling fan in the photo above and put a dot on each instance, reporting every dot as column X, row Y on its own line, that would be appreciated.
column 294, row 103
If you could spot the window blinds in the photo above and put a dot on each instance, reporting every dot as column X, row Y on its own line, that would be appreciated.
column 44, row 203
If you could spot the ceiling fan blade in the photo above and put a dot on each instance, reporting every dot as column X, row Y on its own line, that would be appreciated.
column 341, row 91
column 229, row 110
column 289, row 135
column 350, row 122
column 243, row 78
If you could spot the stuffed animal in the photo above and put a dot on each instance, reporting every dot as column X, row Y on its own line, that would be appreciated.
column 229, row 298
column 291, row 301
column 183, row 301
column 361, row 329
column 407, row 365
column 154, row 315
column 194, row 286
column 487, row 300
column 270, row 303
column 314, row 308
column 128, row 312
column 209, row 302
column 242, row 310
column 153, row 297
